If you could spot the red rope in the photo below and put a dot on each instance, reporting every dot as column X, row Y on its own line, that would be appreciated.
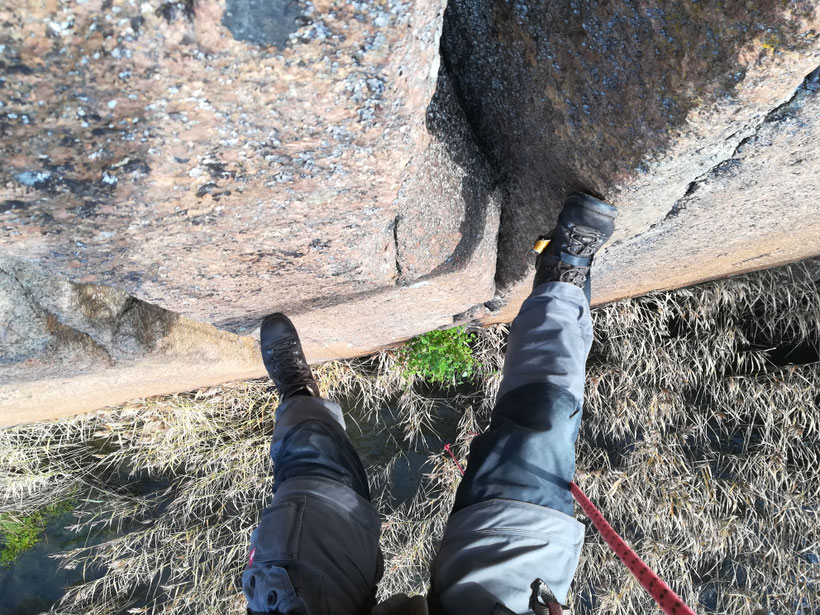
column 667, row 599
column 458, row 465
column 660, row 591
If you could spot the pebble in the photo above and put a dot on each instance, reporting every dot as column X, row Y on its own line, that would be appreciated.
column 32, row 178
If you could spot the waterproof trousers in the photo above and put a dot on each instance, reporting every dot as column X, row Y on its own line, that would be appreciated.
column 316, row 549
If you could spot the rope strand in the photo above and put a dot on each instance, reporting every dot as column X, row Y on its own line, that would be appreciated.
column 667, row 599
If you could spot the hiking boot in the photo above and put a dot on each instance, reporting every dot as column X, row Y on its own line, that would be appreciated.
column 283, row 358
column 584, row 225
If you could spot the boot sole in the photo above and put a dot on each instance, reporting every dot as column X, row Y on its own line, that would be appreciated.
column 590, row 202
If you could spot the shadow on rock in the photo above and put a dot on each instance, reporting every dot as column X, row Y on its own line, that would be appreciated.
column 578, row 96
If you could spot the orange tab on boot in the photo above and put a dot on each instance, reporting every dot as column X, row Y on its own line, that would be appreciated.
column 540, row 245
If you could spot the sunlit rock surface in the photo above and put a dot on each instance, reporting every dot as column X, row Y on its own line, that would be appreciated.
column 375, row 169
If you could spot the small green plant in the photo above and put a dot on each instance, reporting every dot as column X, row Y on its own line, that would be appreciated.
column 20, row 533
column 439, row 356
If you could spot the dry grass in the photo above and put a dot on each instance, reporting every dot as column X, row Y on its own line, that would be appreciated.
column 700, row 450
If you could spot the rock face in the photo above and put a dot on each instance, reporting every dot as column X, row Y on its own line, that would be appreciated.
column 757, row 207
column 221, row 180
column 376, row 169
column 643, row 106
column 70, row 347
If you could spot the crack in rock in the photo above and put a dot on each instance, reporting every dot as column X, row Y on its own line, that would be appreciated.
column 59, row 331
column 810, row 84
column 396, row 248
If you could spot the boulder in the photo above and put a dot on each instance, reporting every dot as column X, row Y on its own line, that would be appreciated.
column 374, row 169
column 149, row 150
column 641, row 105
column 69, row 347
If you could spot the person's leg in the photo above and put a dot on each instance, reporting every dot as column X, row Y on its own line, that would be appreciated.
column 310, row 440
column 316, row 550
column 512, row 518
column 528, row 452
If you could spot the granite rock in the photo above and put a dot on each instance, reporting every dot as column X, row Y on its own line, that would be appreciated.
column 758, row 207
column 637, row 104
column 173, row 171
column 70, row 347
column 149, row 150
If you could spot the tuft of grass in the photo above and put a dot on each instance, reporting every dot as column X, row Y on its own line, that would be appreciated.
column 19, row 535
column 700, row 443
column 21, row 532
column 439, row 357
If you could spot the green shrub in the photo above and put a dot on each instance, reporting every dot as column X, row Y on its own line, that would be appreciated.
column 20, row 533
column 439, row 356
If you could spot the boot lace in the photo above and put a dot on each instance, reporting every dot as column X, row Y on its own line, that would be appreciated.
column 289, row 366
column 572, row 274
column 583, row 240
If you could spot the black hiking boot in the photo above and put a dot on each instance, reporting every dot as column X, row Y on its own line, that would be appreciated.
column 283, row 358
column 584, row 225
